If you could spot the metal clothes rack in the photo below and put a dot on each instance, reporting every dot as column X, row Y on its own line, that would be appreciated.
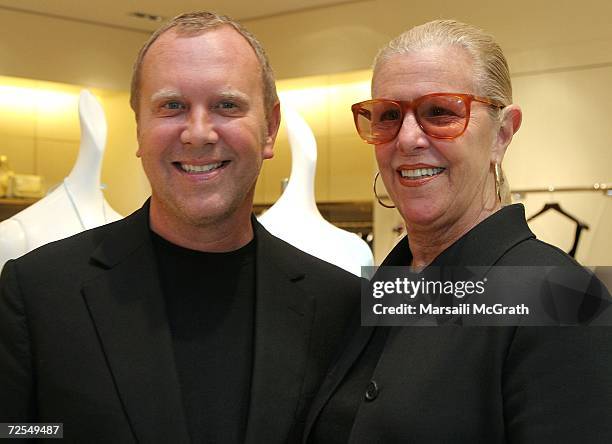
column 604, row 188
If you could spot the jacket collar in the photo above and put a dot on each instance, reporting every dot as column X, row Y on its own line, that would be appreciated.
column 131, row 234
column 499, row 232
column 128, row 309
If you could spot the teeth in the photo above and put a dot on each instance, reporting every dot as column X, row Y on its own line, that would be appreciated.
column 421, row 172
column 200, row 168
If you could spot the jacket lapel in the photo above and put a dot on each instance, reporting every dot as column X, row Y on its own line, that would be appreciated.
column 469, row 251
column 283, row 320
column 351, row 351
column 338, row 371
column 465, row 252
column 128, row 310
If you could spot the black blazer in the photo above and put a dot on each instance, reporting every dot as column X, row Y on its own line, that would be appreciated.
column 84, row 337
column 455, row 384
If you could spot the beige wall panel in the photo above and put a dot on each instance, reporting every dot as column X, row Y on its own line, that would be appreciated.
column 565, row 141
column 535, row 35
column 301, row 83
column 341, row 97
column 17, row 108
column 340, row 38
column 20, row 153
column 312, row 103
column 351, row 165
column 320, row 41
column 526, row 24
column 351, row 79
column 127, row 186
column 566, row 132
column 39, row 47
column 560, row 57
column 55, row 159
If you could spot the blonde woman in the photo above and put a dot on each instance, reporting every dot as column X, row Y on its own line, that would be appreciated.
column 440, row 121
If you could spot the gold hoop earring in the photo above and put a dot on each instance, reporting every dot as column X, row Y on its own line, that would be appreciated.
column 376, row 194
column 498, row 180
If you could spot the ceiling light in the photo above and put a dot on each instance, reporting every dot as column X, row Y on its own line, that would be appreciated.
column 146, row 16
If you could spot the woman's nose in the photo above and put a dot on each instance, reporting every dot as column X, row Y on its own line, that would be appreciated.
column 411, row 136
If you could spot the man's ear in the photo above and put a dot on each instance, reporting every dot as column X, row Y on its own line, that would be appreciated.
column 274, row 119
column 509, row 125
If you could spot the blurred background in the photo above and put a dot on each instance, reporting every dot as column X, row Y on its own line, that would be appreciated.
column 560, row 56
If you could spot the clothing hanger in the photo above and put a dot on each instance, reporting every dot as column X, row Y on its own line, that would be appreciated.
column 579, row 224
column 556, row 207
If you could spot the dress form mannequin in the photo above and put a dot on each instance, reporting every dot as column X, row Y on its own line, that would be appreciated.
column 295, row 217
column 75, row 205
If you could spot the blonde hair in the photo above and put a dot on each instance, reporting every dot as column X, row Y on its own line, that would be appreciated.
column 196, row 23
column 492, row 76
column 491, row 72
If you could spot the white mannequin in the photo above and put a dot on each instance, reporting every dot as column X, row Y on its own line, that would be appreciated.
column 75, row 205
column 295, row 217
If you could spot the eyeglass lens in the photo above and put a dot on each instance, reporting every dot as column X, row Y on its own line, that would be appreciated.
column 379, row 121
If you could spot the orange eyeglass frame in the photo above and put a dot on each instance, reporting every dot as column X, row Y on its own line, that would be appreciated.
column 404, row 105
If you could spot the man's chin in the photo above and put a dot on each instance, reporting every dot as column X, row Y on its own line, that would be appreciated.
column 214, row 212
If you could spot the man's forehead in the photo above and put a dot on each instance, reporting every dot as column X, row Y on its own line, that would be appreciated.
column 221, row 56
column 224, row 38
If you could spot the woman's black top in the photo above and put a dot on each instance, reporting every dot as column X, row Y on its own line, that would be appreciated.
column 471, row 384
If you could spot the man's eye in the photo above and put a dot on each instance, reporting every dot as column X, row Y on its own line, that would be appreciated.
column 174, row 105
column 227, row 105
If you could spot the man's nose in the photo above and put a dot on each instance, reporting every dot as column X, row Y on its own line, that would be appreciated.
column 411, row 136
column 200, row 129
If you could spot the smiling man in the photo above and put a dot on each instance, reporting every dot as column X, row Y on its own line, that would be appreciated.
column 204, row 128
column 186, row 321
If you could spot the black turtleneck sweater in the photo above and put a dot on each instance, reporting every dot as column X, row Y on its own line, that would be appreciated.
column 210, row 300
